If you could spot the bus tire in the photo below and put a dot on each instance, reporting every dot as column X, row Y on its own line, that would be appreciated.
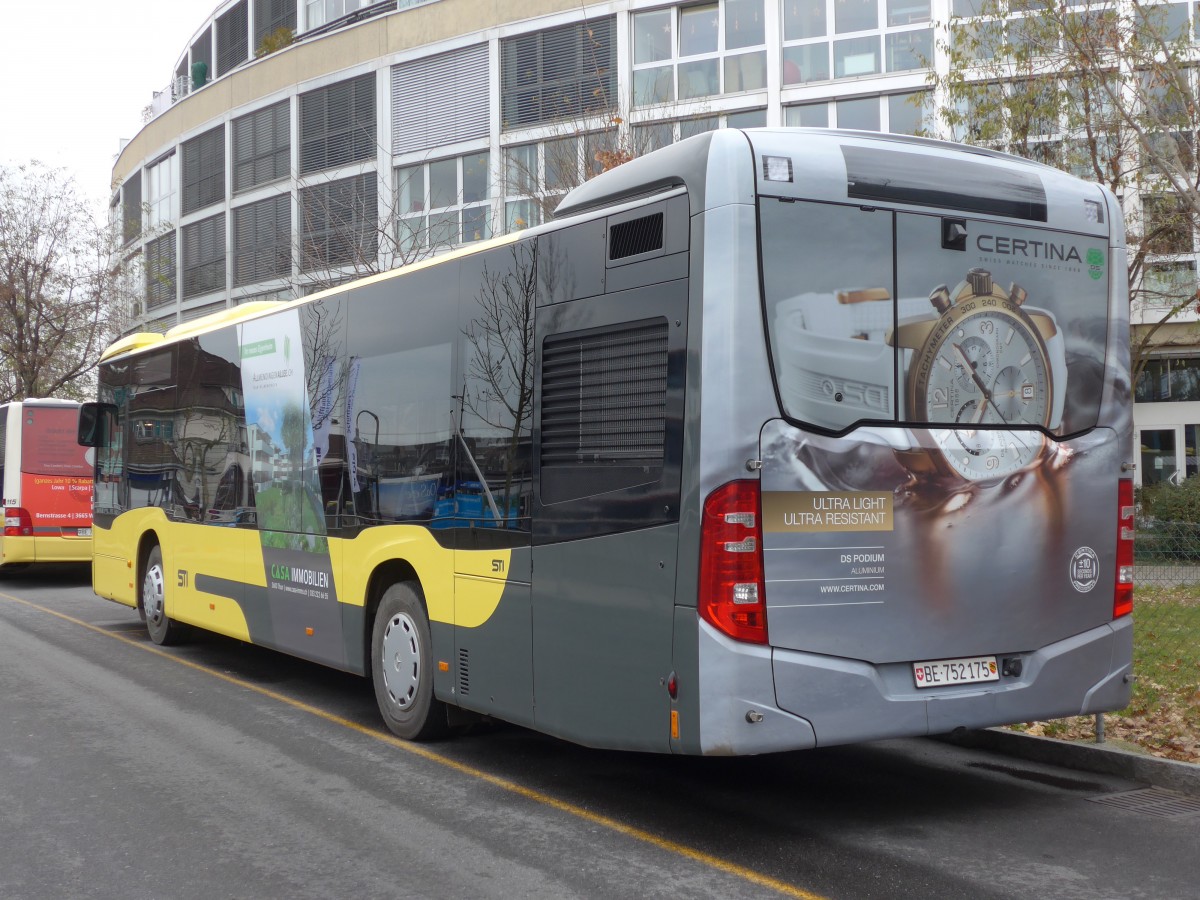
column 152, row 603
column 402, row 666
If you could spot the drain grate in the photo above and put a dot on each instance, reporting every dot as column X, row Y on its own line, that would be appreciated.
column 1153, row 801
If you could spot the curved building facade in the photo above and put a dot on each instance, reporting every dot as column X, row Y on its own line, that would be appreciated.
column 303, row 142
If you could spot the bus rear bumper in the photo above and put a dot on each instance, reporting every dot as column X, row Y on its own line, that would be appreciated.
column 45, row 550
column 850, row 700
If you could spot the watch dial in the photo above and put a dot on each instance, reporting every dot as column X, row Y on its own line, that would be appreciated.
column 980, row 454
column 985, row 365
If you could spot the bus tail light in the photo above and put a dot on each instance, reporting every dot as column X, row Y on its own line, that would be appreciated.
column 732, row 593
column 17, row 522
column 1123, row 596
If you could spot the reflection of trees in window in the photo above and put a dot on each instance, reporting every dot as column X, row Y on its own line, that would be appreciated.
column 209, row 442
column 499, row 369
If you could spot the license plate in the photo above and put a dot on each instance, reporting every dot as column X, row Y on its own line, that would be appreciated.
column 969, row 670
column 83, row 532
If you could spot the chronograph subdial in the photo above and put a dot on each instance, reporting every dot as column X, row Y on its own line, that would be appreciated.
column 975, row 358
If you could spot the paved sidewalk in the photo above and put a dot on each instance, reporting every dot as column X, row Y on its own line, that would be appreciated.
column 1100, row 758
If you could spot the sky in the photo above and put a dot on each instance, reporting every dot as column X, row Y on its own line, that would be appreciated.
column 75, row 76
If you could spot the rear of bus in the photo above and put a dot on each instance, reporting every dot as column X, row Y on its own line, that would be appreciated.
column 47, row 480
column 915, row 443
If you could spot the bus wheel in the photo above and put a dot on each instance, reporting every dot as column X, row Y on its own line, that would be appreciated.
column 162, row 630
column 402, row 666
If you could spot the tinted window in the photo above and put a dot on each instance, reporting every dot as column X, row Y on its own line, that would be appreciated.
column 496, row 416
column 398, row 411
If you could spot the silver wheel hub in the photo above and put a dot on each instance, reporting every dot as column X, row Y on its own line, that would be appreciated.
column 401, row 661
column 152, row 594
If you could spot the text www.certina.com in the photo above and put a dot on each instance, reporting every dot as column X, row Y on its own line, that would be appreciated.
column 852, row 588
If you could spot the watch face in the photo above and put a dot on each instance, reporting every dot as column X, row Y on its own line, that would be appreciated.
column 980, row 454
column 984, row 364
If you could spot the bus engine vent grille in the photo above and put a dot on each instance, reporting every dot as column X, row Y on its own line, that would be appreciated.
column 464, row 671
column 636, row 236
column 604, row 396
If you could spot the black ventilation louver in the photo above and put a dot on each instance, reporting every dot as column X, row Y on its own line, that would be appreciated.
column 604, row 395
column 464, row 671
column 636, row 236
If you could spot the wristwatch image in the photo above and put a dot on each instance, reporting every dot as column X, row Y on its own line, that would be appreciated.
column 977, row 355
column 981, row 356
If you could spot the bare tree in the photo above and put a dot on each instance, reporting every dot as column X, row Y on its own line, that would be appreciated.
column 58, row 290
column 1103, row 90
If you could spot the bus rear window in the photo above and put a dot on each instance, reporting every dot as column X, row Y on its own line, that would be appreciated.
column 48, row 445
column 887, row 316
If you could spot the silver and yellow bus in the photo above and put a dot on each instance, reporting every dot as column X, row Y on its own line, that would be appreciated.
column 772, row 439
column 46, row 478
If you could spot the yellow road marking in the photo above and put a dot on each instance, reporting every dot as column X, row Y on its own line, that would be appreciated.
column 512, row 787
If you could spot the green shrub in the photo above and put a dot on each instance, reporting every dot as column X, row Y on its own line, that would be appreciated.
column 276, row 40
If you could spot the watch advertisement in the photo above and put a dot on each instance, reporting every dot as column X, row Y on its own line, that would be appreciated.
column 941, row 378
column 880, row 316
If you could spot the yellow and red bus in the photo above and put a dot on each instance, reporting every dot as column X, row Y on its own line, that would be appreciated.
column 772, row 439
column 47, row 483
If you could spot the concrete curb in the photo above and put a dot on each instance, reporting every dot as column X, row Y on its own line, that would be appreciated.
column 1099, row 758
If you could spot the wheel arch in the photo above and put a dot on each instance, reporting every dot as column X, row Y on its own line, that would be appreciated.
column 383, row 576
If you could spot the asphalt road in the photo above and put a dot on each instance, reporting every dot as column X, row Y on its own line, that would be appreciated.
column 216, row 770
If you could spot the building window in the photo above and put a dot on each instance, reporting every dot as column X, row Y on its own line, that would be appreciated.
column 1167, row 223
column 910, row 113
column 897, row 113
column 131, row 285
column 337, row 124
column 261, row 147
column 162, row 193
column 440, row 100
column 558, row 74
column 204, row 256
column 233, row 38
column 537, row 176
column 160, row 271
column 318, row 12
column 443, row 203
column 270, row 16
column 698, row 51
column 1169, row 379
column 807, row 115
column 131, row 208
column 338, row 223
column 870, row 37
column 1167, row 284
column 655, row 135
column 202, row 60
column 861, row 113
column 262, row 240
column 204, row 170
